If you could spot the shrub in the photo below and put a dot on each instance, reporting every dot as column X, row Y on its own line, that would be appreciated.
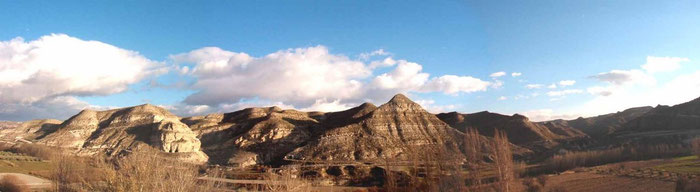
column 542, row 179
column 532, row 186
column 11, row 183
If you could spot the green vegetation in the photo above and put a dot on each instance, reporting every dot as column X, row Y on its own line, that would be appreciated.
column 18, row 163
column 685, row 165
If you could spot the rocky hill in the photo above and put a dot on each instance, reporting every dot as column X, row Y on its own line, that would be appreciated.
column 269, row 135
column 603, row 125
column 395, row 130
column 520, row 130
column 681, row 117
column 120, row 131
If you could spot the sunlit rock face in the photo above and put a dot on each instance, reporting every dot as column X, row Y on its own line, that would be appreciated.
column 260, row 135
column 394, row 130
column 367, row 133
column 120, row 131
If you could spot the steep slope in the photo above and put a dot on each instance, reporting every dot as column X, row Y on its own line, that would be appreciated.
column 561, row 127
column 681, row 117
column 393, row 130
column 366, row 132
column 120, row 131
column 603, row 125
column 254, row 135
column 520, row 129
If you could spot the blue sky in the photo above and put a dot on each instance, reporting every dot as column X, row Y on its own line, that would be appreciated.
column 546, row 41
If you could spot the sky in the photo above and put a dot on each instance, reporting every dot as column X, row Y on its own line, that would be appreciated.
column 544, row 59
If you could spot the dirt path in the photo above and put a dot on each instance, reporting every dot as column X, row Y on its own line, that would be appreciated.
column 32, row 181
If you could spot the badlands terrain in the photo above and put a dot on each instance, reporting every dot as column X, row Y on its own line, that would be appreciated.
column 362, row 146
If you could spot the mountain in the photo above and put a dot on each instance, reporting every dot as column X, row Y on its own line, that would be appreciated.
column 520, row 130
column 394, row 130
column 681, row 117
column 366, row 132
column 254, row 135
column 120, row 131
column 603, row 125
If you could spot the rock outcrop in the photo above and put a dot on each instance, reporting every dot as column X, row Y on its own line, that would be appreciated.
column 120, row 131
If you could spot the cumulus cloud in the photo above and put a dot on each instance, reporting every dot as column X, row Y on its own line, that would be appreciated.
column 621, row 77
column 552, row 86
column 308, row 78
column 663, row 64
column 452, row 84
column 35, row 74
column 516, row 74
column 498, row 74
column 502, row 98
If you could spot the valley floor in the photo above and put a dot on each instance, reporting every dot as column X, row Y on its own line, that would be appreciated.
column 651, row 175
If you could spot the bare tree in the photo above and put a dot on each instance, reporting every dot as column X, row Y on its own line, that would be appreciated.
column 503, row 157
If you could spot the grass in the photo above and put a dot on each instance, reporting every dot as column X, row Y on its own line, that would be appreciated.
column 18, row 163
column 687, row 164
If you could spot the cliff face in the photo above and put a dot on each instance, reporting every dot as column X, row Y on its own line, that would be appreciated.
column 120, row 131
column 685, row 116
column 520, row 129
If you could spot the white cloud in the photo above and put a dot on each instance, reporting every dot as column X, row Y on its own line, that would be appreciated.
column 621, row 77
column 294, row 75
column 452, row 84
column 502, row 98
column 378, row 52
column 534, row 86
column 386, row 62
column 323, row 105
column 552, row 86
column 602, row 91
column 430, row 106
column 309, row 78
column 564, row 92
column 516, row 74
column 59, row 66
column 498, row 74
column 663, row 64
column 565, row 83
column 547, row 114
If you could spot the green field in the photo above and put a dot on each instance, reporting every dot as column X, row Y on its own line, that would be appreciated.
column 686, row 165
column 18, row 163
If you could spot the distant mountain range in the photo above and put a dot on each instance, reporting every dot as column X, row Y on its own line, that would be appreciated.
column 366, row 133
